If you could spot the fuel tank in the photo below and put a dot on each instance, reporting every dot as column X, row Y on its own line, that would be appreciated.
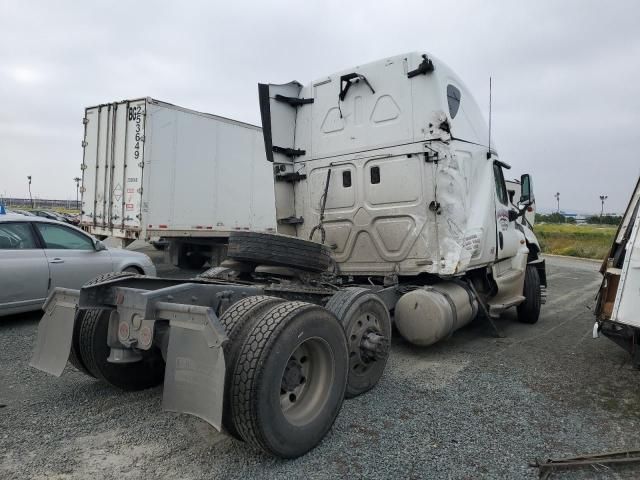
column 429, row 314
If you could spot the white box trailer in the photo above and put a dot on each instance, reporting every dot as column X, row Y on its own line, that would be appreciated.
column 153, row 169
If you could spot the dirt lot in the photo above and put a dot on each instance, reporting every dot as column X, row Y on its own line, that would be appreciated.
column 473, row 406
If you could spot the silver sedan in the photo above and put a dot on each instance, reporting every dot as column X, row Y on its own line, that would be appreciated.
column 38, row 254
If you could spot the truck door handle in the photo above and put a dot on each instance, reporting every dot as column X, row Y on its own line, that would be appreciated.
column 501, row 240
column 56, row 260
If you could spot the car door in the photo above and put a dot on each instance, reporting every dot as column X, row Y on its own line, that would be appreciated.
column 73, row 259
column 24, row 272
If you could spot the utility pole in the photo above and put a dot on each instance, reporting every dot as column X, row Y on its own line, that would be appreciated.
column 557, row 195
column 77, row 180
column 602, row 199
column 30, row 197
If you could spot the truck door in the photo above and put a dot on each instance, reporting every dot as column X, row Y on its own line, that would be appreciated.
column 507, row 237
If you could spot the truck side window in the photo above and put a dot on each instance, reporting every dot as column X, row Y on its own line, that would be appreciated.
column 501, row 187
column 346, row 178
column 375, row 175
column 453, row 99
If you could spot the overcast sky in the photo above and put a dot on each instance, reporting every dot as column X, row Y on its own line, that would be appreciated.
column 566, row 75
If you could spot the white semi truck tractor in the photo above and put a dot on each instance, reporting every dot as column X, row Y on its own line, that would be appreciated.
column 389, row 203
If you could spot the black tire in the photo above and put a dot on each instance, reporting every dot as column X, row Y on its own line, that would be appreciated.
column 279, row 250
column 529, row 310
column 361, row 312
column 74, row 354
column 75, row 357
column 237, row 320
column 94, row 351
column 259, row 379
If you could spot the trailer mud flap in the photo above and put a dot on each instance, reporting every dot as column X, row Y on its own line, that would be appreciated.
column 55, row 331
column 195, row 371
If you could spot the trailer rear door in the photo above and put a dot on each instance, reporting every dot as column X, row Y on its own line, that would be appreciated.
column 113, row 165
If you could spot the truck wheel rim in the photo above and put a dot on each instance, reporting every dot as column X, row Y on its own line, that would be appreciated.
column 365, row 324
column 306, row 381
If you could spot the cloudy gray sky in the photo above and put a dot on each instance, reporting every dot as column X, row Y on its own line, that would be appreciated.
column 566, row 75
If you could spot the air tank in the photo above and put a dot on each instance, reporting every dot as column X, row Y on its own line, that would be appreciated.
column 429, row 314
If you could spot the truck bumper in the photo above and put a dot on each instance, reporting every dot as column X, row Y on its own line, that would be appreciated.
column 195, row 363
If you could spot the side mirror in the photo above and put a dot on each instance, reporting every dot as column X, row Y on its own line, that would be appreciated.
column 99, row 246
column 513, row 215
column 526, row 195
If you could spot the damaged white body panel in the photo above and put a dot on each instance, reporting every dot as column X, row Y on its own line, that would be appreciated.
column 412, row 187
column 618, row 305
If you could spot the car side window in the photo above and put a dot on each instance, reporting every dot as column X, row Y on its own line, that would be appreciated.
column 59, row 237
column 501, row 187
column 16, row 236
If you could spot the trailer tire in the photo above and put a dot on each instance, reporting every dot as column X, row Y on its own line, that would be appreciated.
column 362, row 313
column 529, row 310
column 289, row 381
column 237, row 320
column 75, row 358
column 280, row 250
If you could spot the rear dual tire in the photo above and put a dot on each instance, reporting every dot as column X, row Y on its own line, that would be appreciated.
column 94, row 351
column 362, row 313
column 89, row 349
column 287, row 381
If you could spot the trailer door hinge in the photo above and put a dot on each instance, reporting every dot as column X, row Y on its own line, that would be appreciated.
column 291, row 220
column 85, row 121
column 425, row 67
column 290, row 177
column 84, row 144
column 83, row 166
column 289, row 152
column 293, row 101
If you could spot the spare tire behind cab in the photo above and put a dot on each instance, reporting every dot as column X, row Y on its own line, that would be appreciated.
column 280, row 250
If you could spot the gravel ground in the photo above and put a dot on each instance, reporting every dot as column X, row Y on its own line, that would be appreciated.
column 473, row 406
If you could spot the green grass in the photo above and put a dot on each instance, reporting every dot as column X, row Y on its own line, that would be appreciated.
column 586, row 241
